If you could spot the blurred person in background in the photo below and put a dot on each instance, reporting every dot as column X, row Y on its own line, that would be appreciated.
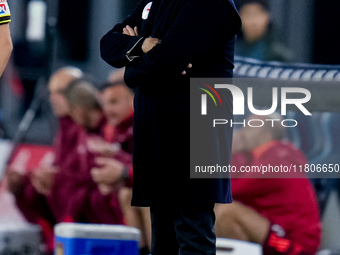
column 65, row 142
column 39, row 194
column 5, row 36
column 92, row 203
column 279, row 213
column 257, row 39
column 117, row 101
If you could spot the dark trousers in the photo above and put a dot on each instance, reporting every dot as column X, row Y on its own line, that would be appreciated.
column 185, row 231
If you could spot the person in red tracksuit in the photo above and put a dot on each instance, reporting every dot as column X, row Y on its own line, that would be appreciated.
column 91, row 202
column 279, row 213
column 117, row 101
column 39, row 194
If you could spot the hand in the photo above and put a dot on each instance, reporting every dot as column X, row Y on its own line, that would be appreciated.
column 129, row 31
column 99, row 146
column 185, row 72
column 42, row 179
column 14, row 180
column 108, row 172
column 105, row 189
column 149, row 43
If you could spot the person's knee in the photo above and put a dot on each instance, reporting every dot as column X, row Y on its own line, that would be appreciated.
column 241, row 222
column 226, row 221
column 227, row 212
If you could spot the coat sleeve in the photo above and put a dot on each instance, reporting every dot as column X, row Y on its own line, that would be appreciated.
column 199, row 26
column 114, row 46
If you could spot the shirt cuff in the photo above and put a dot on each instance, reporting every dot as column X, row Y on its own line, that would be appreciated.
column 5, row 19
column 136, row 50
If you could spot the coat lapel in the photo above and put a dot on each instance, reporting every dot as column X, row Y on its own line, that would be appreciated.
column 233, row 4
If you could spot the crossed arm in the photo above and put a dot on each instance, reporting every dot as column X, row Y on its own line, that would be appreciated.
column 199, row 26
column 148, row 44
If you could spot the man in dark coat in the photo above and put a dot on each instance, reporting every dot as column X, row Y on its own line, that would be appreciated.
column 157, row 43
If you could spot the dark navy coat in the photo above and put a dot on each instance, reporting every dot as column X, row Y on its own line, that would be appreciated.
column 200, row 32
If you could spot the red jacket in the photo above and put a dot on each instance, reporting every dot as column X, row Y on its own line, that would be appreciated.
column 66, row 159
column 46, row 211
column 74, row 195
column 291, row 203
column 34, row 205
column 87, row 204
column 122, row 135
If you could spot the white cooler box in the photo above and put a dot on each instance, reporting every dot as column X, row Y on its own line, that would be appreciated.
column 20, row 239
column 93, row 239
column 226, row 246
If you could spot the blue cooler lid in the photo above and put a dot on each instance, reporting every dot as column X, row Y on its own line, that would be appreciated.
column 96, row 231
